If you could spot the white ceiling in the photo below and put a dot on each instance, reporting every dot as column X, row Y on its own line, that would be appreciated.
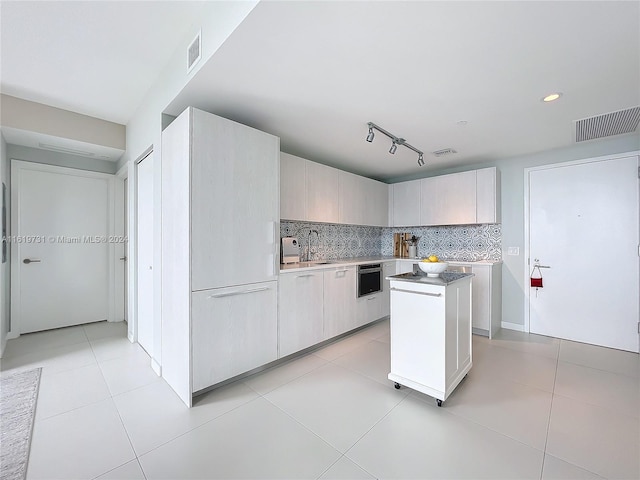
column 315, row 73
column 98, row 58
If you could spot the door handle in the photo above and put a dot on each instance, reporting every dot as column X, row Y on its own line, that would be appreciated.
column 30, row 260
column 123, row 258
column 241, row 292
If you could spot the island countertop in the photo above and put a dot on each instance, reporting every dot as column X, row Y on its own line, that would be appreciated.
column 445, row 278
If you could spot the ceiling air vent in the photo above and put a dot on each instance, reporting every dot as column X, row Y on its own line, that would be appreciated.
column 194, row 52
column 607, row 125
column 444, row 151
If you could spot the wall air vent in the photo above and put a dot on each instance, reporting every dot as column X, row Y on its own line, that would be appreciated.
column 194, row 52
column 608, row 124
column 60, row 149
column 444, row 151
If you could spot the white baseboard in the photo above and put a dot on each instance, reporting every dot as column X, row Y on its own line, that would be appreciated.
column 156, row 367
column 512, row 326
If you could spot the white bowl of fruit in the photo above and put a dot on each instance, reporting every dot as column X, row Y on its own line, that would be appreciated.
column 432, row 266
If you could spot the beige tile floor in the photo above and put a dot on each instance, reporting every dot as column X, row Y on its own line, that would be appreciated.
column 531, row 407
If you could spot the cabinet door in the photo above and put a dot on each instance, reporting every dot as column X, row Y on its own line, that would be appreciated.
column 406, row 204
column 369, row 308
column 339, row 301
column 352, row 199
column 388, row 268
column 292, row 187
column 449, row 199
column 234, row 203
column 233, row 330
column 301, row 313
column 322, row 193
column 481, row 294
column 487, row 196
column 376, row 203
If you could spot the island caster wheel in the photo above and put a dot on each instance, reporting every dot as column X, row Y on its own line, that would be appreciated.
column 397, row 385
column 439, row 402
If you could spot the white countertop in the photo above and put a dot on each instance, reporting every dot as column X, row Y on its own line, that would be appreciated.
column 347, row 262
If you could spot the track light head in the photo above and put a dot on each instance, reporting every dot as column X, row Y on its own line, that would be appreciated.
column 393, row 148
column 420, row 160
column 371, row 135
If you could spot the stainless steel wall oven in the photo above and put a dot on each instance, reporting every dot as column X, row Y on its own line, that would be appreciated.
column 369, row 279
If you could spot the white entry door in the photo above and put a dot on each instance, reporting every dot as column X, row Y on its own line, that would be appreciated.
column 583, row 224
column 144, row 236
column 60, row 249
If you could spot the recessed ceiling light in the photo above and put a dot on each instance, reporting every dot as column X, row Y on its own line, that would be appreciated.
column 552, row 96
column 462, row 123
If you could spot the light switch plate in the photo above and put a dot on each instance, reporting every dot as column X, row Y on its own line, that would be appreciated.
column 513, row 251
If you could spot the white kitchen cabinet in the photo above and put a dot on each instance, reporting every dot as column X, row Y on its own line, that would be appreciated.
column 339, row 301
column 322, row 191
column 430, row 335
column 300, row 303
column 314, row 192
column 234, row 203
column 352, row 199
column 487, row 295
column 369, row 308
column 363, row 201
column 234, row 330
column 292, row 187
column 388, row 269
column 488, row 195
column 448, row 199
column 406, row 203
column 220, row 221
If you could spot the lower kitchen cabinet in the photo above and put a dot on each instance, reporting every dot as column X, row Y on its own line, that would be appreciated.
column 369, row 308
column 339, row 301
column 487, row 298
column 234, row 330
column 388, row 268
column 300, row 299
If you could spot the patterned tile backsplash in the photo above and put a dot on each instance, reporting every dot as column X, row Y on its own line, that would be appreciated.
column 458, row 242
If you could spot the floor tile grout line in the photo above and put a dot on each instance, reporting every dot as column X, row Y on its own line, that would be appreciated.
column 305, row 427
column 610, row 410
column 196, row 427
column 553, row 394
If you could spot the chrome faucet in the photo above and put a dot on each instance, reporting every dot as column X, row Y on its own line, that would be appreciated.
column 309, row 242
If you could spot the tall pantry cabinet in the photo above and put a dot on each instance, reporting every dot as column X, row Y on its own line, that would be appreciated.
column 220, row 254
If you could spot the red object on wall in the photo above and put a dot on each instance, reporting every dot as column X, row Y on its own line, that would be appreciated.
column 536, row 280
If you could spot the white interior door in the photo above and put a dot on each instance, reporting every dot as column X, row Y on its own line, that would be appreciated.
column 144, row 236
column 60, row 255
column 583, row 224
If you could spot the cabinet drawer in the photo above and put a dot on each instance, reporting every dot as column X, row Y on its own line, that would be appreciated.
column 234, row 330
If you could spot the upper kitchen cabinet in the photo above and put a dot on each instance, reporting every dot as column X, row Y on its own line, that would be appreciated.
column 322, row 186
column 363, row 201
column 405, row 198
column 456, row 199
column 314, row 192
column 449, row 199
column 488, row 195
column 292, row 187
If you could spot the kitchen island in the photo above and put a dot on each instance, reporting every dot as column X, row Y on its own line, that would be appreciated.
column 430, row 332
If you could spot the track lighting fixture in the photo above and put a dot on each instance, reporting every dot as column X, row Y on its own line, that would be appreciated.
column 395, row 141
column 371, row 135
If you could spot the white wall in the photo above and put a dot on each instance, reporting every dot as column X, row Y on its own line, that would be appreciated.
column 144, row 131
column 4, row 268
column 512, row 172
